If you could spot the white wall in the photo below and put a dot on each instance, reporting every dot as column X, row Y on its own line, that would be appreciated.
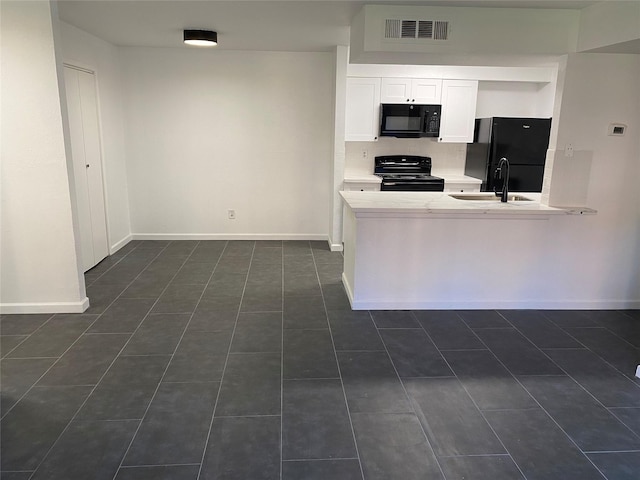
column 603, row 173
column 208, row 131
column 82, row 49
column 446, row 158
column 609, row 25
column 38, row 254
column 340, row 94
column 515, row 99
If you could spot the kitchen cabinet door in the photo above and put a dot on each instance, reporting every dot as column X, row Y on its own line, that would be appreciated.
column 426, row 91
column 461, row 187
column 458, row 111
column 362, row 122
column 395, row 90
column 348, row 186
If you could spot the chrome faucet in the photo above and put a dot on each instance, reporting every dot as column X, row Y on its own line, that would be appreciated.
column 502, row 172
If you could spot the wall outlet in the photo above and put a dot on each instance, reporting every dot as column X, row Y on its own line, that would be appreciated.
column 568, row 150
column 365, row 154
column 231, row 214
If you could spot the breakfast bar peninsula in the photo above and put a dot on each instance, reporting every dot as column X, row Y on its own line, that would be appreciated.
column 437, row 250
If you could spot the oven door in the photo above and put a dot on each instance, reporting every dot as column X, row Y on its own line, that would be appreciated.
column 412, row 185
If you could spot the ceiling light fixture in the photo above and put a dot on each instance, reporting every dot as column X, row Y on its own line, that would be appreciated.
column 201, row 38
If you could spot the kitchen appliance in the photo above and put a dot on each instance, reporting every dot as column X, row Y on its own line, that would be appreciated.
column 410, row 121
column 407, row 173
column 523, row 141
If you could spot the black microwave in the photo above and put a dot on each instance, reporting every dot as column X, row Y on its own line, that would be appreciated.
column 410, row 121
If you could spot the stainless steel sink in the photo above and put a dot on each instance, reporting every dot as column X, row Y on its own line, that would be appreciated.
column 490, row 197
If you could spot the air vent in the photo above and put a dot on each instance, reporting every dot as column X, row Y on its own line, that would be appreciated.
column 416, row 29
column 409, row 28
column 425, row 29
column 441, row 30
column 392, row 29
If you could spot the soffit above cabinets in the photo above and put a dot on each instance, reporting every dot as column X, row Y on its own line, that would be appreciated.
column 302, row 25
column 484, row 73
column 463, row 31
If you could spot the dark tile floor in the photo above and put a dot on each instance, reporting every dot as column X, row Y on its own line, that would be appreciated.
column 242, row 360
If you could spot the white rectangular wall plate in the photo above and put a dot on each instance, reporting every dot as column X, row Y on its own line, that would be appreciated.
column 568, row 150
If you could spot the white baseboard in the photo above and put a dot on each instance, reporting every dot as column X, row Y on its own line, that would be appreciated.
column 336, row 247
column 373, row 304
column 349, row 291
column 118, row 245
column 44, row 307
column 229, row 236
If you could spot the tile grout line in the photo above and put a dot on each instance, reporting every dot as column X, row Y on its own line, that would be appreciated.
column 6, row 355
column 480, row 411
column 135, row 434
column 604, row 452
column 101, row 377
column 566, row 374
column 335, row 355
column 476, row 455
column 318, row 459
column 614, row 333
column 535, row 400
column 226, row 361
column 543, row 351
column 162, row 465
column 281, row 367
column 406, row 394
column 111, row 267
column 568, row 332
column 98, row 315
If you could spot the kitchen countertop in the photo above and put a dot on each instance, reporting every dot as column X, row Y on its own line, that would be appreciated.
column 453, row 178
column 363, row 178
column 430, row 203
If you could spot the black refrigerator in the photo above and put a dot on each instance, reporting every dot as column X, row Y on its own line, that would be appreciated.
column 522, row 141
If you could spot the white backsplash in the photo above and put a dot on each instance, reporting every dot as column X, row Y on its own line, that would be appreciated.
column 446, row 158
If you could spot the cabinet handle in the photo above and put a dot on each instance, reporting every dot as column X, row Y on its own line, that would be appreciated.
column 407, row 99
column 413, row 99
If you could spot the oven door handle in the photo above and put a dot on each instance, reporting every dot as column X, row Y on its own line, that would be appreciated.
column 410, row 166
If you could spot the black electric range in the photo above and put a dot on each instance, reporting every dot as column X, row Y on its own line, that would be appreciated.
column 409, row 173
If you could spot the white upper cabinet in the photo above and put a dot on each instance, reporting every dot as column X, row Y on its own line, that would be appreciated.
column 426, row 91
column 458, row 111
column 396, row 90
column 411, row 90
column 362, row 121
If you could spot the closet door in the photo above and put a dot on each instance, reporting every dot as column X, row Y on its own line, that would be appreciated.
column 84, row 127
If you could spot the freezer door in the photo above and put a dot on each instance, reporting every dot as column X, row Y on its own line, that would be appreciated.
column 523, row 141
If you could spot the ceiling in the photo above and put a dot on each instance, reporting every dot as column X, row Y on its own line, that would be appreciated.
column 293, row 25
